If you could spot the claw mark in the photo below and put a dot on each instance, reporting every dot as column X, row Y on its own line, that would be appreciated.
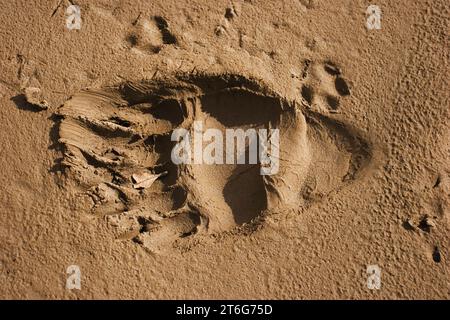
column 57, row 7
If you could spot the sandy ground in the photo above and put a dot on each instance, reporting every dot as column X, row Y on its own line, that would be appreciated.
column 364, row 172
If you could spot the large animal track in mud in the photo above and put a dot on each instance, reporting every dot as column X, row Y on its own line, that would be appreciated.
column 117, row 145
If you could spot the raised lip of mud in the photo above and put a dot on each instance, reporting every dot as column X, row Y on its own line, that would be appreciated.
column 134, row 92
column 190, row 86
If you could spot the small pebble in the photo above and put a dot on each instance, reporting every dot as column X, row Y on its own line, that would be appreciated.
column 34, row 97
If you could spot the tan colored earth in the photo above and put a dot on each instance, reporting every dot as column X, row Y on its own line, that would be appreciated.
column 359, row 208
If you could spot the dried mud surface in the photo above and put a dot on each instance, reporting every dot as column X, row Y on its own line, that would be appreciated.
column 87, row 179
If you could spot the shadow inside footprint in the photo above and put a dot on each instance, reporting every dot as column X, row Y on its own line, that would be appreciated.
column 245, row 194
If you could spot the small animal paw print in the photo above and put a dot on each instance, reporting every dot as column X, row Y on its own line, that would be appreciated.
column 150, row 35
column 324, row 86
